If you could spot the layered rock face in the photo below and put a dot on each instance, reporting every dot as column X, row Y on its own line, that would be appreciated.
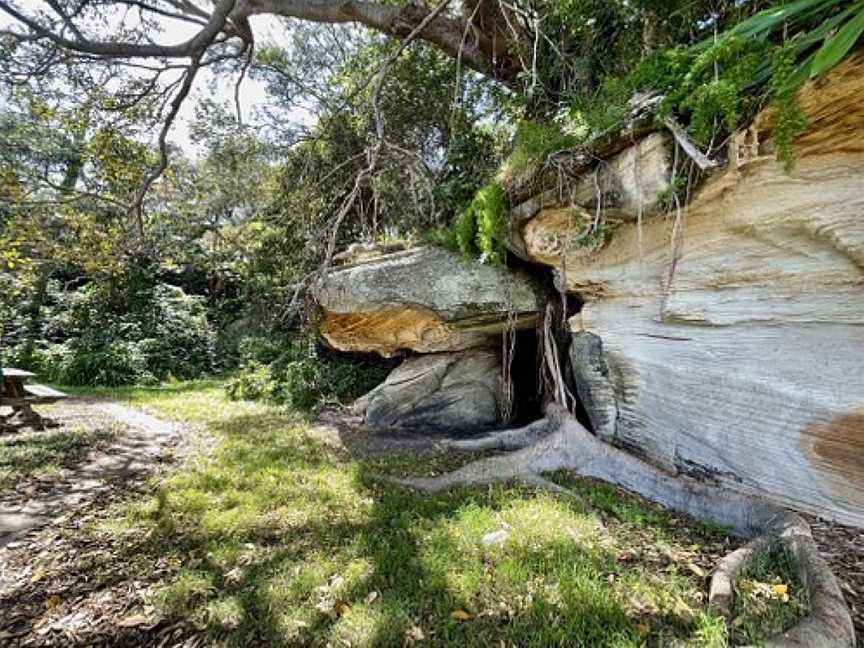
column 426, row 299
column 728, row 343
column 441, row 391
column 431, row 301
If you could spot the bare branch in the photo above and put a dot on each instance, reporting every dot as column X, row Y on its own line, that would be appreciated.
column 124, row 49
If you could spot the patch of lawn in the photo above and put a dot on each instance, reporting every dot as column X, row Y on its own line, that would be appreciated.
column 30, row 454
column 282, row 540
column 769, row 598
column 194, row 401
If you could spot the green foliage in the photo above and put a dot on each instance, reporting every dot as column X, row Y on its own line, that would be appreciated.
column 99, row 336
column 769, row 597
column 465, row 231
column 789, row 121
column 708, row 88
column 534, row 143
column 109, row 363
column 254, row 381
column 718, row 83
column 837, row 45
column 481, row 228
column 301, row 374
column 714, row 90
column 490, row 205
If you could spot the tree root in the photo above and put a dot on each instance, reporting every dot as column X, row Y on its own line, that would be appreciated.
column 559, row 442
column 829, row 623
column 505, row 440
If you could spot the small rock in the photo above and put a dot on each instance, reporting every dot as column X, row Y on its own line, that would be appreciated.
column 495, row 538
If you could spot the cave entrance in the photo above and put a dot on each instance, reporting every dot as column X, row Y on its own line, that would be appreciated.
column 527, row 383
column 531, row 388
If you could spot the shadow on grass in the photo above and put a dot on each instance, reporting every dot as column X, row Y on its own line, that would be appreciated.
column 277, row 539
column 30, row 453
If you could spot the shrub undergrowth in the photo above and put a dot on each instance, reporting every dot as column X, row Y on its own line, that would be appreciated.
column 99, row 336
column 302, row 374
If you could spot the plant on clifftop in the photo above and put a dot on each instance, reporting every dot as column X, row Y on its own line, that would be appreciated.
column 789, row 121
column 482, row 226
column 533, row 144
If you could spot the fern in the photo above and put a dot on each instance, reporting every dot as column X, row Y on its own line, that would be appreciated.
column 481, row 228
column 490, row 211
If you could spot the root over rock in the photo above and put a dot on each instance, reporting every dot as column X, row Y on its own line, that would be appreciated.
column 559, row 442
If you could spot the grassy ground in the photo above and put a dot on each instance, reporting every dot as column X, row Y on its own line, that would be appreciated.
column 43, row 455
column 276, row 536
column 281, row 539
column 769, row 598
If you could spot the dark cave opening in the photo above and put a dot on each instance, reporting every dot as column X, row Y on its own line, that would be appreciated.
column 530, row 387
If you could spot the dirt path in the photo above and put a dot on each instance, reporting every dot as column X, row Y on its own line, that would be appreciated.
column 144, row 443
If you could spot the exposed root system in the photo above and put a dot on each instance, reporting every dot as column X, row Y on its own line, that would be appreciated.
column 559, row 442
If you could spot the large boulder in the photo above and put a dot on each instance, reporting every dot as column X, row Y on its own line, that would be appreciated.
column 441, row 391
column 730, row 346
column 425, row 299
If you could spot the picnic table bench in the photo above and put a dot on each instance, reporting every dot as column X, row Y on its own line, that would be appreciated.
column 21, row 396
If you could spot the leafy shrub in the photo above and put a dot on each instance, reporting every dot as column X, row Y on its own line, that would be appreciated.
column 481, row 228
column 100, row 336
column 490, row 207
column 111, row 364
column 304, row 374
column 253, row 382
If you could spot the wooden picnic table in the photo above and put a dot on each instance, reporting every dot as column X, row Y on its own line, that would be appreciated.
column 21, row 396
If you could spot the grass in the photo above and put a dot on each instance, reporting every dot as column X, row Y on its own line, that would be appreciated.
column 769, row 598
column 277, row 538
column 42, row 455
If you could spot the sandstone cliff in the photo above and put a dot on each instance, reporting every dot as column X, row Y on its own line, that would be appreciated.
column 732, row 347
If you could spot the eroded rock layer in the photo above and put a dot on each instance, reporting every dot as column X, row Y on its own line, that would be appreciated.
column 441, row 391
column 731, row 347
column 426, row 299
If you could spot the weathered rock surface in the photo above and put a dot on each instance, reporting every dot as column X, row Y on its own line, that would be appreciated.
column 631, row 183
column 627, row 187
column 440, row 391
column 426, row 299
column 735, row 352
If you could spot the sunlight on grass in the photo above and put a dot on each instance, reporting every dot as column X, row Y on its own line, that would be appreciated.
column 43, row 454
column 280, row 539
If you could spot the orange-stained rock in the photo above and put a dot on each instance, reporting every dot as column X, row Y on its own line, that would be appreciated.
column 425, row 299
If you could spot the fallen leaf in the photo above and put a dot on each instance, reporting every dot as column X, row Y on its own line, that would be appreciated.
column 52, row 602
column 415, row 633
column 460, row 615
column 371, row 597
column 342, row 608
